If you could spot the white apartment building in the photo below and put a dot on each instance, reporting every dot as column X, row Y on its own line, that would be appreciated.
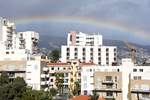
column 37, row 73
column 19, row 56
column 12, row 42
column 28, row 40
column 7, row 34
column 82, row 39
column 88, row 48
column 124, row 82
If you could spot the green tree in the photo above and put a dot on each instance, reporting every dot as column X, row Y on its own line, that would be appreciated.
column 77, row 88
column 53, row 91
column 59, row 81
column 54, row 55
column 11, row 90
column 4, row 79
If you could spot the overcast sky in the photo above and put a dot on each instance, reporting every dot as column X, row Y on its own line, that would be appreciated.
column 133, row 14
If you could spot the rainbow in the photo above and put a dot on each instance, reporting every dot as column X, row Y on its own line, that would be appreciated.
column 90, row 21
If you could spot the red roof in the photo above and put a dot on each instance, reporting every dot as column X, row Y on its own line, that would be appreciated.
column 81, row 97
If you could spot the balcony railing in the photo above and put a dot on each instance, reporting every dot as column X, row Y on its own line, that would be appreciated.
column 107, row 82
column 140, row 90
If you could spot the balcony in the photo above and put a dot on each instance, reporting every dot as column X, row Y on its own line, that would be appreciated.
column 43, row 83
column 107, row 82
column 47, row 75
column 140, row 90
column 43, row 75
column 109, row 97
column 105, row 89
column 45, row 69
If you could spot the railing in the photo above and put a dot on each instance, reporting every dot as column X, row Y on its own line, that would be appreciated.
column 107, row 82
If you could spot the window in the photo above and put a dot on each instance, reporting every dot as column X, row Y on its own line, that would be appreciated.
column 65, row 80
column 51, row 80
column 67, row 49
column 99, row 58
column 109, row 93
column 91, row 49
column 68, row 54
column 52, row 68
column 107, row 59
column 75, row 54
column 75, row 49
column 107, row 54
column 115, row 78
column 115, row 50
column 99, row 49
column 107, row 63
column 83, row 58
column 108, row 78
column 99, row 54
column 134, row 70
column 83, row 49
column 139, row 78
column 90, row 70
column 99, row 63
column 115, row 59
column 7, row 52
column 135, row 77
column 141, row 70
column 109, row 86
column 107, row 49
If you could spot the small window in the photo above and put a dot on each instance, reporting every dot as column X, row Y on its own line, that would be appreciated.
column 107, row 54
column 141, row 70
column 68, row 49
column 75, row 49
column 91, row 49
column 7, row 52
column 51, row 80
column 83, row 49
column 135, row 77
column 52, row 68
column 107, row 49
column 99, row 49
column 139, row 78
column 134, row 70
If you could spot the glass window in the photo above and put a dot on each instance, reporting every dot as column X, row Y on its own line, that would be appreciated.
column 141, row 70
column 134, row 70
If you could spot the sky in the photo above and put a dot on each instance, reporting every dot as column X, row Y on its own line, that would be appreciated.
column 126, row 20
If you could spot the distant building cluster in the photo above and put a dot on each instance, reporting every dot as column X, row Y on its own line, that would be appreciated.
column 84, row 60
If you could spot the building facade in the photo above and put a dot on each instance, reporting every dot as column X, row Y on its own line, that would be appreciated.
column 88, row 48
column 124, row 82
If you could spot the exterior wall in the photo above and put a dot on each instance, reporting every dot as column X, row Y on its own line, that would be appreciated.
column 140, row 88
column 102, row 55
column 12, row 42
column 108, row 85
column 82, row 39
column 28, row 40
column 13, row 68
column 33, row 74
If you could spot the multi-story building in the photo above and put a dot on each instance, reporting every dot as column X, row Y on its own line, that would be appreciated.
column 71, row 73
column 124, row 82
column 88, row 48
column 37, row 73
column 82, row 39
column 7, row 34
column 19, row 56
column 13, row 42
column 29, row 41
